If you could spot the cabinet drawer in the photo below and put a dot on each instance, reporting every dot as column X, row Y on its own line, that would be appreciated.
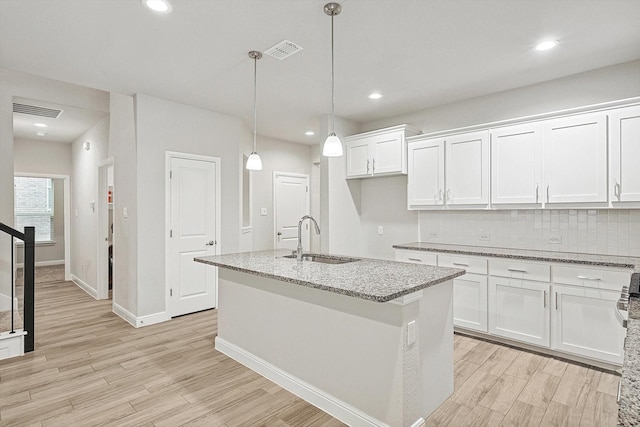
column 468, row 263
column 419, row 257
column 591, row 277
column 520, row 270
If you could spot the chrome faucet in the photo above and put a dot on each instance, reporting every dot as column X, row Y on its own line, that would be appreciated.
column 299, row 250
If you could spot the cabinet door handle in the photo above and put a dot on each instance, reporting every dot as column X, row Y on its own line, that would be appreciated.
column 545, row 299
column 440, row 195
column 415, row 259
column 556, row 301
column 448, row 194
column 460, row 264
column 374, row 166
column 517, row 270
column 547, row 193
column 367, row 165
column 597, row 279
column 537, row 192
column 616, row 190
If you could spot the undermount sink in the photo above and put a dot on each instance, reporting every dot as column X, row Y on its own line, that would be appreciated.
column 323, row 258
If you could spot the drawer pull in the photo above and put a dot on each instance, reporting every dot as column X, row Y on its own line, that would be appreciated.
column 545, row 299
column 517, row 270
column 597, row 279
column 556, row 301
column 415, row 259
column 460, row 264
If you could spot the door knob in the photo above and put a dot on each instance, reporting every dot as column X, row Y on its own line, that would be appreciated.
column 279, row 233
column 211, row 243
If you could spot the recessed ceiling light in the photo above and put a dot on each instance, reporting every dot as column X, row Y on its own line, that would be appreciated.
column 40, row 125
column 309, row 133
column 160, row 6
column 375, row 95
column 547, row 44
column 41, row 134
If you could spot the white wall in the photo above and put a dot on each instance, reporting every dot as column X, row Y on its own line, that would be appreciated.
column 123, row 149
column 17, row 84
column 168, row 126
column 277, row 156
column 382, row 196
column 84, row 190
column 43, row 157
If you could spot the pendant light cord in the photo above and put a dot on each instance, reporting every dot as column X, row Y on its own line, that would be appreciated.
column 255, row 100
column 333, row 96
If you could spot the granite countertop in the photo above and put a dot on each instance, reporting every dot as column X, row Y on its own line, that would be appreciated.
column 369, row 279
column 629, row 405
column 527, row 254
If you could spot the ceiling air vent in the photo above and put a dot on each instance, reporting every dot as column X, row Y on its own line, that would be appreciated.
column 283, row 50
column 34, row 110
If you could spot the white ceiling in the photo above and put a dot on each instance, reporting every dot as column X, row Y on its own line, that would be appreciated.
column 419, row 54
column 67, row 127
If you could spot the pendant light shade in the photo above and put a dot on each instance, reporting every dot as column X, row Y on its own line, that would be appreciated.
column 332, row 145
column 254, row 162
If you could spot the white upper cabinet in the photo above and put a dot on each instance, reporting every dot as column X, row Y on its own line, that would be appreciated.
column 467, row 169
column 624, row 152
column 516, row 159
column 575, row 159
column 426, row 173
column 378, row 153
column 449, row 171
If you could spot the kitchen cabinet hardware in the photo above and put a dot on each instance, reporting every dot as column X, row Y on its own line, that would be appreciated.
column 440, row 194
column 517, row 270
column 415, row 259
column 373, row 170
column 556, row 300
column 616, row 189
column 537, row 192
column 448, row 195
column 461, row 264
column 547, row 193
column 596, row 279
column 545, row 299
column 367, row 166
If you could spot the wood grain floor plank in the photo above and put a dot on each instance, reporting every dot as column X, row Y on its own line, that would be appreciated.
column 523, row 415
column 540, row 389
column 503, row 394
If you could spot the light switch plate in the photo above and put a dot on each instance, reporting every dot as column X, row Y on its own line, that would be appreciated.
column 555, row 240
column 380, row 230
column 263, row 211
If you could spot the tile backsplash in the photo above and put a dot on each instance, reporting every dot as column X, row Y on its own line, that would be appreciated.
column 611, row 232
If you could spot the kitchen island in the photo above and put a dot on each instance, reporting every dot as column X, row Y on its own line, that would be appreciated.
column 368, row 341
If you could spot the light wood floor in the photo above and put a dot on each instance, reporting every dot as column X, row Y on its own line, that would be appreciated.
column 92, row 368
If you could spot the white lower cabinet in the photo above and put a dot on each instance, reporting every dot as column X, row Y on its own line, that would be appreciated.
column 519, row 310
column 585, row 323
column 470, row 302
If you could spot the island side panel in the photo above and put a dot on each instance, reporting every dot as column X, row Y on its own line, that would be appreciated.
column 353, row 351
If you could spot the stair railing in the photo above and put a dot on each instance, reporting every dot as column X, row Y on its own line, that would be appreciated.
column 29, row 239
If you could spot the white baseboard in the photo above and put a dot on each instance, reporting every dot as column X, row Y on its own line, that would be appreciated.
column 335, row 407
column 44, row 263
column 141, row 321
column 84, row 286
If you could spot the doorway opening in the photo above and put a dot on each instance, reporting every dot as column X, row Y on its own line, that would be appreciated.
column 105, row 237
column 290, row 203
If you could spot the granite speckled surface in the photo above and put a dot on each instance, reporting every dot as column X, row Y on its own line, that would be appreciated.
column 369, row 279
column 527, row 254
column 629, row 405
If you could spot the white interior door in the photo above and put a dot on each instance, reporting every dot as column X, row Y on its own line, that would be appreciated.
column 291, row 202
column 194, row 218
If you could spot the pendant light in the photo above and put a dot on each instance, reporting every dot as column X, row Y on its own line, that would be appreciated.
column 332, row 145
column 254, row 162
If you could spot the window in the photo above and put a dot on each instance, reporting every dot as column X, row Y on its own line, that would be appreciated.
column 34, row 206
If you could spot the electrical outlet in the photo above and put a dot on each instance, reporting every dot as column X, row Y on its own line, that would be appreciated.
column 263, row 211
column 433, row 235
column 555, row 240
column 380, row 230
column 411, row 332
column 485, row 237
